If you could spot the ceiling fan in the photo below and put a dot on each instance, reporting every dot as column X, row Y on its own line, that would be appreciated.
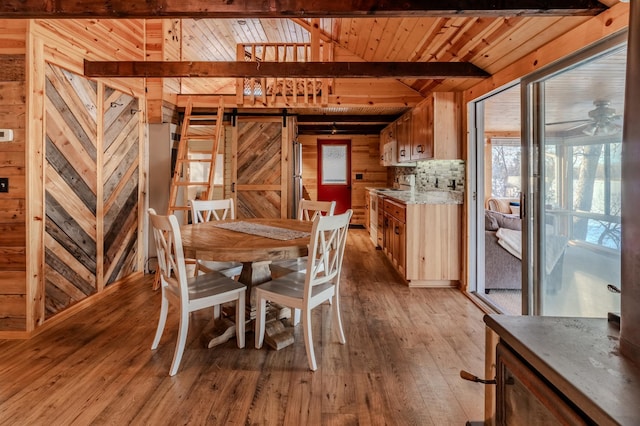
column 602, row 120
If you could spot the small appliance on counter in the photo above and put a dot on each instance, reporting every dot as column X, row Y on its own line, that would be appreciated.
column 405, row 183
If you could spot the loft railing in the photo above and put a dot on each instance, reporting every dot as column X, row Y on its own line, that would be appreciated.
column 291, row 91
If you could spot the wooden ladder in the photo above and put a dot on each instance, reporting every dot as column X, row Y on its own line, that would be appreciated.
column 195, row 128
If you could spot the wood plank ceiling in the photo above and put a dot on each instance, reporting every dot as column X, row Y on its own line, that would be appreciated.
column 491, row 43
column 487, row 36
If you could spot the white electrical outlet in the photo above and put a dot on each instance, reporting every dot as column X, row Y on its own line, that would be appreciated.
column 6, row 135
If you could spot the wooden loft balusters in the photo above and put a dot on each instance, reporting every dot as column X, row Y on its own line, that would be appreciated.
column 292, row 90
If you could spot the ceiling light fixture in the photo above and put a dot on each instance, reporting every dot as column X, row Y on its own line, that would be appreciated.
column 603, row 117
column 334, row 130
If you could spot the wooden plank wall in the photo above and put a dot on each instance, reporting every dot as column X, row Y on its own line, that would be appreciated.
column 13, row 306
column 13, row 288
column 365, row 160
column 63, row 44
column 162, row 43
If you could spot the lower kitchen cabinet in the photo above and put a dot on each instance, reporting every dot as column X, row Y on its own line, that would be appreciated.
column 422, row 241
column 394, row 215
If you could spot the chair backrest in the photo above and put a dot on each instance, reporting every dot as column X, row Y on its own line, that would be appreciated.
column 326, row 249
column 206, row 210
column 168, row 240
column 309, row 210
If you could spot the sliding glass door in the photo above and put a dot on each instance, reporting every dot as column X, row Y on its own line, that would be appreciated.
column 572, row 140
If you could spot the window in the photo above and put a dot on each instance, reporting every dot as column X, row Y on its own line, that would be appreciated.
column 505, row 167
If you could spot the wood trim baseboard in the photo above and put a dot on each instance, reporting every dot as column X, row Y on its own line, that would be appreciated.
column 434, row 284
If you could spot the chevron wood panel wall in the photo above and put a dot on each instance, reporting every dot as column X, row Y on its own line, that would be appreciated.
column 70, row 189
column 259, row 169
column 120, row 175
column 80, row 258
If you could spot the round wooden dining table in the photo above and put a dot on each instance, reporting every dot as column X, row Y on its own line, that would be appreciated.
column 209, row 241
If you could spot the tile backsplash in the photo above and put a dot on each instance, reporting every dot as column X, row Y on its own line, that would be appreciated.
column 441, row 171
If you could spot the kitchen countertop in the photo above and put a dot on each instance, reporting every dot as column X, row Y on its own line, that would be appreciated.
column 436, row 196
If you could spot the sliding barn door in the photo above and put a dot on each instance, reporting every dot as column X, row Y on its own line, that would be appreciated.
column 120, row 177
column 91, row 188
column 70, row 189
column 260, row 173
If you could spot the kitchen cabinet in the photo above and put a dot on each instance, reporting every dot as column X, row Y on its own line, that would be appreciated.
column 431, row 130
column 389, row 147
column 403, row 133
column 422, row 242
column 394, row 215
column 445, row 123
column 387, row 136
column 422, row 130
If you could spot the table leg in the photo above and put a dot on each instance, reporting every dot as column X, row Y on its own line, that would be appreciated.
column 276, row 335
column 253, row 274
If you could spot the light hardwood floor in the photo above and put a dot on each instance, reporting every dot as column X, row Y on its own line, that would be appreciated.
column 400, row 366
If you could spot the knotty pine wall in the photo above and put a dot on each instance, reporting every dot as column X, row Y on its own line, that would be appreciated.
column 365, row 159
column 118, row 170
column 162, row 43
column 12, row 161
column 13, row 287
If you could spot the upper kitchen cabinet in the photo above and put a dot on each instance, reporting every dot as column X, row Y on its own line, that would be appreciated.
column 389, row 143
column 422, row 130
column 404, row 137
column 387, row 137
column 446, row 125
column 431, row 130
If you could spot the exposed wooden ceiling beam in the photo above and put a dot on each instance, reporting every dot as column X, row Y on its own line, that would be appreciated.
column 344, row 118
column 339, row 129
column 291, row 8
column 435, row 70
column 201, row 101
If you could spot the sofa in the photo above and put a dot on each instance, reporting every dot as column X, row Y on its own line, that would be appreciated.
column 502, row 269
column 503, row 205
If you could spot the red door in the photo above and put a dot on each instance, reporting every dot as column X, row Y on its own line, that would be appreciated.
column 334, row 173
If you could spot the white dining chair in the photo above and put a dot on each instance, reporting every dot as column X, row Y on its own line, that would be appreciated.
column 210, row 210
column 320, row 282
column 189, row 294
column 308, row 210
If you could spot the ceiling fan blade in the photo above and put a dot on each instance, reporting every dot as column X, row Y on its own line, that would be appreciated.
column 584, row 120
column 579, row 126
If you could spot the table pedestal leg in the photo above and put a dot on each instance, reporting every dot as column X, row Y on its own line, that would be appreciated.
column 276, row 335
column 219, row 332
column 254, row 274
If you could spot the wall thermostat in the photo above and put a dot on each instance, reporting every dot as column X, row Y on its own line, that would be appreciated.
column 6, row 135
